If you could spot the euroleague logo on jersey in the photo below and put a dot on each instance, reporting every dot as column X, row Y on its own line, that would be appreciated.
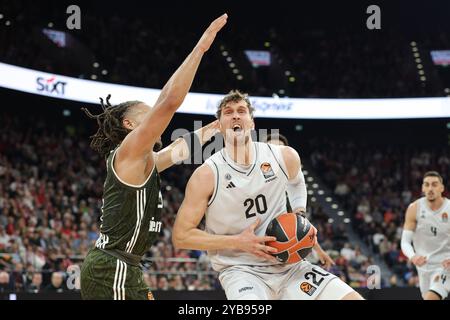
column 445, row 217
column 307, row 288
column 266, row 170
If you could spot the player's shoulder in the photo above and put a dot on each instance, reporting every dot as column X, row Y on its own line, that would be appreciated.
column 289, row 154
column 204, row 172
column 413, row 205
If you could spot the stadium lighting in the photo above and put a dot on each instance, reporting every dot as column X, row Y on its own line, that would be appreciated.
column 313, row 199
column 340, row 213
column 330, row 220
column 104, row 72
column 298, row 127
column 222, row 47
column 66, row 113
column 224, row 53
column 414, row 49
column 311, row 192
column 419, row 66
column 447, row 90
column 1, row 16
column 232, row 65
column 309, row 179
column 168, row 188
column 423, row 78
column 346, row 220
column 418, row 60
column 96, row 64
column 281, row 91
column 334, row 206
column 235, row 71
column 416, row 55
column 413, row 43
column 229, row 59
column 448, row 125
column 287, row 73
column 93, row 77
column 267, row 44
column 305, row 172
column 328, row 199
column 240, row 77
column 50, row 25
column 7, row 23
column 421, row 72
column 315, row 185
column 320, row 192
column 291, row 79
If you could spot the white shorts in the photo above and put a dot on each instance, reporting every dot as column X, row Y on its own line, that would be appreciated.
column 436, row 280
column 300, row 281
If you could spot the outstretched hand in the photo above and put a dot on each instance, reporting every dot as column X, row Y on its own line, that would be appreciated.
column 210, row 34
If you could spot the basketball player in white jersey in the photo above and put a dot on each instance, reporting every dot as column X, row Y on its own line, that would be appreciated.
column 301, row 200
column 426, row 238
column 239, row 190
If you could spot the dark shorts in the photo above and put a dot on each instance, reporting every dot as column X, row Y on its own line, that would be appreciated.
column 106, row 277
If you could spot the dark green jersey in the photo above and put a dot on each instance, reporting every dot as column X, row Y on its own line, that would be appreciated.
column 131, row 215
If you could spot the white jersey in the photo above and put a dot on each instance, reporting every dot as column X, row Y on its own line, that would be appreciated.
column 432, row 235
column 241, row 195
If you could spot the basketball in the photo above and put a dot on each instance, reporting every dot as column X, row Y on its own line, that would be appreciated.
column 295, row 237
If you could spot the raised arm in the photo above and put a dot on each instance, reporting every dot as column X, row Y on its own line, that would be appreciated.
column 179, row 150
column 187, row 235
column 139, row 143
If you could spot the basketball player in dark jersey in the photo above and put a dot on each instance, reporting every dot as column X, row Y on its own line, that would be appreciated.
column 131, row 214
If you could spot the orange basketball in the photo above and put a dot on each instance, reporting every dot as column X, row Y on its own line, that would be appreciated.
column 295, row 235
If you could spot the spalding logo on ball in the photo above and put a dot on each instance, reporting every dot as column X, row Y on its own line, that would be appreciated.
column 295, row 236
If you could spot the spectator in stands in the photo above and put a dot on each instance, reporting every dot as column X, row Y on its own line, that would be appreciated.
column 5, row 283
column 36, row 283
column 57, row 283
column 163, row 284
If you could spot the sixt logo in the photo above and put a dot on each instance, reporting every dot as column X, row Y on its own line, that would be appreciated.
column 51, row 85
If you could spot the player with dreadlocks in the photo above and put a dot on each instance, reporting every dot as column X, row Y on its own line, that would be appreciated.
column 127, row 136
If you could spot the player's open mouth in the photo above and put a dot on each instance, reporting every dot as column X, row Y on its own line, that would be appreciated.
column 237, row 128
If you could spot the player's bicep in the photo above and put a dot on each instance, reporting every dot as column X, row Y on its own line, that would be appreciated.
column 292, row 161
column 410, row 217
column 198, row 191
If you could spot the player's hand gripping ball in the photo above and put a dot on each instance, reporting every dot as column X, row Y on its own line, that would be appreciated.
column 295, row 236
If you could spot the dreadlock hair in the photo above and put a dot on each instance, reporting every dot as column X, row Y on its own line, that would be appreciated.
column 111, row 131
